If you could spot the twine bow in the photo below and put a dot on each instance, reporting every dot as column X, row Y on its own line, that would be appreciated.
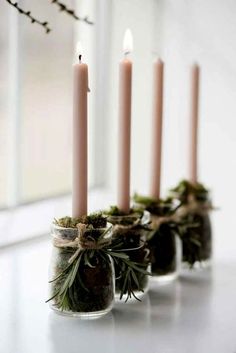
column 158, row 221
column 82, row 242
column 194, row 206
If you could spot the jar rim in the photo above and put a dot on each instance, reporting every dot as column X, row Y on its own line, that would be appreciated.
column 144, row 219
column 55, row 226
column 71, row 233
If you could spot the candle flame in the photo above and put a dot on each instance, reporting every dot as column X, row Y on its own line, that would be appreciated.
column 128, row 42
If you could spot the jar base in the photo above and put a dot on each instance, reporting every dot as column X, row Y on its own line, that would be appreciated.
column 198, row 266
column 164, row 279
column 82, row 315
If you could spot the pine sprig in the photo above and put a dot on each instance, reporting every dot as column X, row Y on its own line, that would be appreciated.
column 28, row 14
column 129, row 272
column 63, row 8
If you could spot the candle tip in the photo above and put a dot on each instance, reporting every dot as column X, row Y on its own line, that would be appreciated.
column 196, row 65
column 128, row 42
column 79, row 51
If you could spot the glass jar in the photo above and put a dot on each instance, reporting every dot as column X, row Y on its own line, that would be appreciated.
column 197, row 240
column 130, row 233
column 82, row 280
column 165, row 250
column 196, row 231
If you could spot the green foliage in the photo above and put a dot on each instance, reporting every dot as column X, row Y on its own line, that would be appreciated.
column 131, row 274
column 185, row 189
column 161, row 207
column 114, row 211
column 195, row 233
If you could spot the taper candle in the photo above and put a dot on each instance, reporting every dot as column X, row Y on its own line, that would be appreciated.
column 80, row 164
column 125, row 93
column 156, row 146
column 194, row 103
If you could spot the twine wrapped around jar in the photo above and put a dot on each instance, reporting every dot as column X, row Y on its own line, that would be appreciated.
column 82, row 242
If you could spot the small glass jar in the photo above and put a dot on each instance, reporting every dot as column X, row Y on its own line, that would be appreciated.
column 197, row 240
column 165, row 250
column 194, row 213
column 163, row 241
column 132, row 238
column 91, row 293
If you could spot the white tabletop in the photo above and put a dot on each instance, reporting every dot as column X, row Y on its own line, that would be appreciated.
column 195, row 314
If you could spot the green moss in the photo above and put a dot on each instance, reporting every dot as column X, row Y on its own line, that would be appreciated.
column 161, row 207
column 184, row 189
column 115, row 211
column 97, row 220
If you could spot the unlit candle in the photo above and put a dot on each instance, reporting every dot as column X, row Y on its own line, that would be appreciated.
column 125, row 93
column 194, row 104
column 156, row 146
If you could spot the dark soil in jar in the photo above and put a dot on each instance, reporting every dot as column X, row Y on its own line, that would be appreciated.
column 130, row 240
column 202, row 233
column 92, row 289
column 162, row 247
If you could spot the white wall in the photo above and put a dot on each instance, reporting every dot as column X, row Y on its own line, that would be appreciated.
column 181, row 32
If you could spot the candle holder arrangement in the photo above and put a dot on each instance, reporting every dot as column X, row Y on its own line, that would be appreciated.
column 164, row 239
column 82, row 276
column 196, row 232
column 108, row 255
column 129, row 235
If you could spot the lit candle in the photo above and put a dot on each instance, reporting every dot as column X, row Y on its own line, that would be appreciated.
column 125, row 93
column 80, row 184
column 156, row 147
column 195, row 71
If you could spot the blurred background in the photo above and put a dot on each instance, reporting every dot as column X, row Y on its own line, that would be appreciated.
column 36, row 105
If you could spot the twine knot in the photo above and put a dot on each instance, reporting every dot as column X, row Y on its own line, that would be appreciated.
column 82, row 241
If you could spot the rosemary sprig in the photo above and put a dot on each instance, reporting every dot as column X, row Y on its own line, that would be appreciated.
column 128, row 273
column 66, row 278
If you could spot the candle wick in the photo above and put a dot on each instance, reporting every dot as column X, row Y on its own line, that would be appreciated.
column 126, row 53
column 80, row 58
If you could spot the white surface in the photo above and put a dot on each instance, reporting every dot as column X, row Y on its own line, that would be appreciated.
column 196, row 314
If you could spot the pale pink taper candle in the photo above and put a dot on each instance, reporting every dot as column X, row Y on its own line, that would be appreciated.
column 124, row 134
column 194, row 103
column 80, row 164
column 156, row 146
